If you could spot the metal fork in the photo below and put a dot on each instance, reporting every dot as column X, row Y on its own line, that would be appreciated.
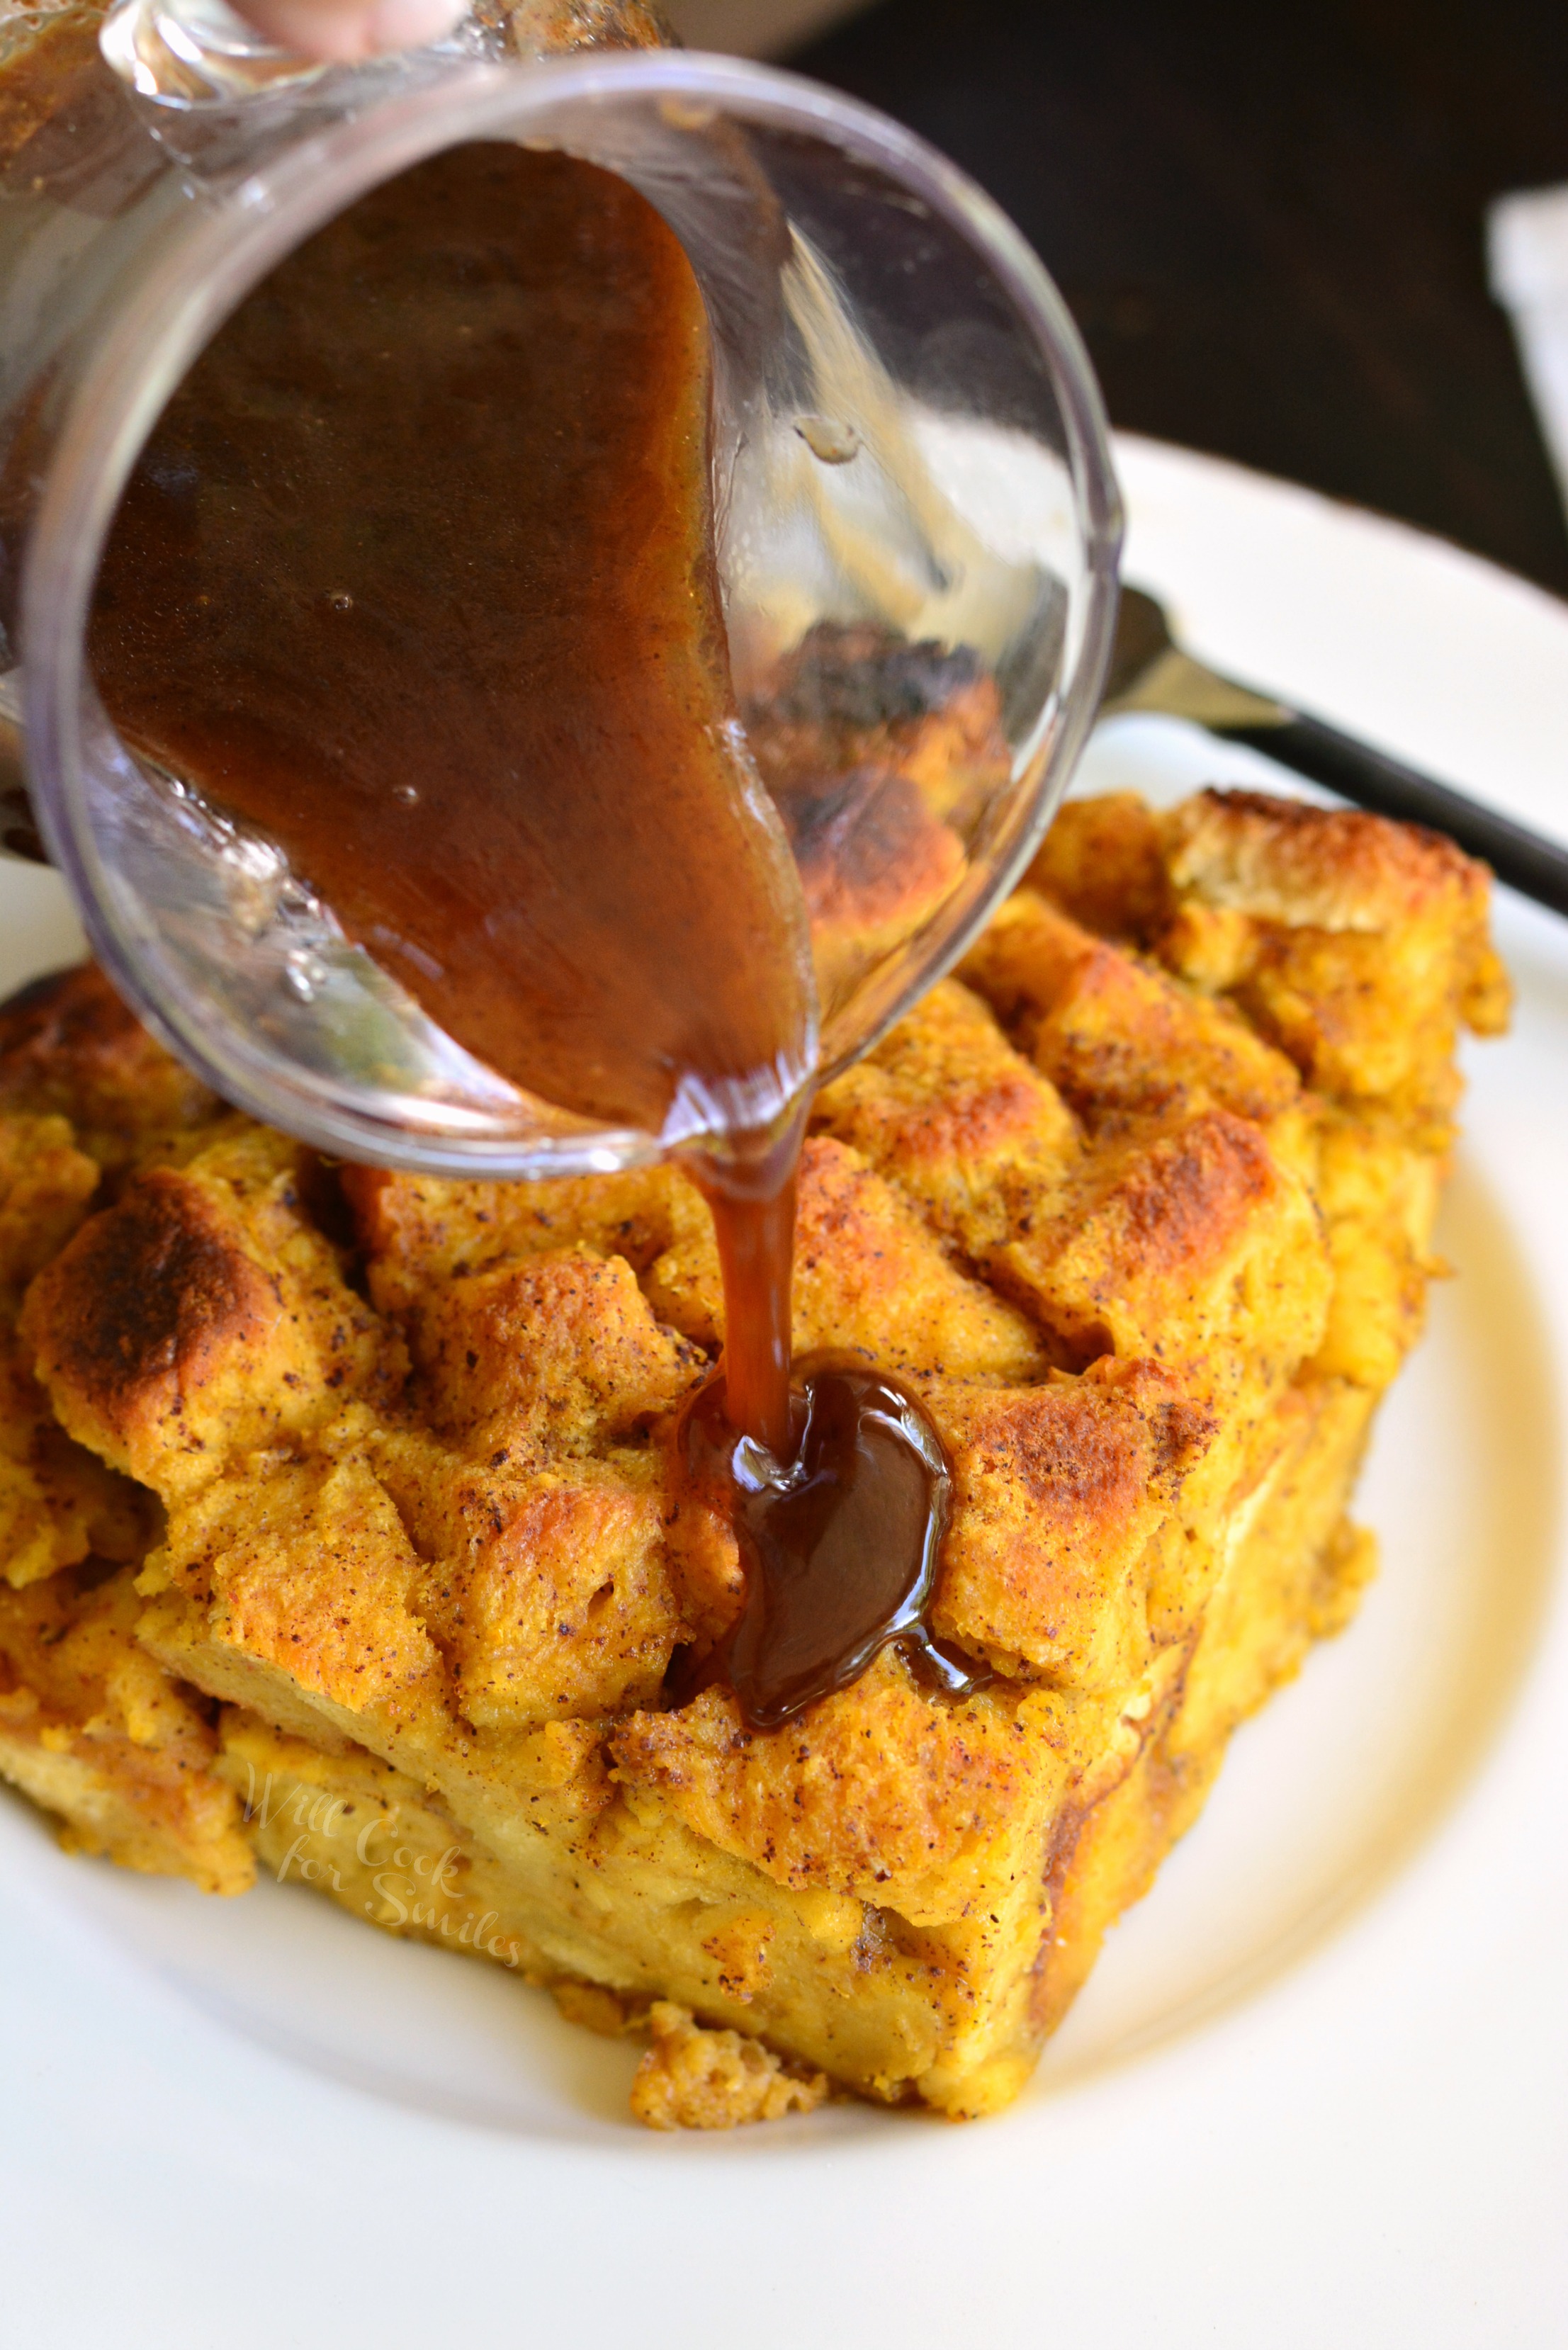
column 1150, row 671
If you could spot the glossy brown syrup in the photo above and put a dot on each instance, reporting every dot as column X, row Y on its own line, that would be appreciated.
column 415, row 573
column 839, row 1545
column 756, row 1231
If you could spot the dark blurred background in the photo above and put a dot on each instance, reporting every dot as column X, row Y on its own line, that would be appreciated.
column 1268, row 219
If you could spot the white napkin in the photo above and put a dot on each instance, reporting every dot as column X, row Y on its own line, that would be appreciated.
column 1527, row 257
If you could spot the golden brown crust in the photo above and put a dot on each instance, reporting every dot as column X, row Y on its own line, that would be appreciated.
column 305, row 1570
column 549, row 1594
column 1102, row 861
column 1060, row 1491
column 68, row 1044
column 1356, row 945
column 870, row 1279
column 58, row 1504
column 1181, row 1241
column 1313, row 867
column 560, row 26
column 883, row 1790
column 204, row 1315
column 1118, row 1037
column 417, row 1231
column 46, row 1183
column 958, row 1119
column 150, row 1299
column 559, row 1352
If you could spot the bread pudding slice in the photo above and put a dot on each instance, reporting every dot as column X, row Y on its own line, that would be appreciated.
column 352, row 1538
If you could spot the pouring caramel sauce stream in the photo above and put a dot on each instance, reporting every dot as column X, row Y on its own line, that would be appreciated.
column 416, row 574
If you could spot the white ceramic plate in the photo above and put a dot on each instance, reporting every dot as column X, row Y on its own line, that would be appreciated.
column 1314, row 2092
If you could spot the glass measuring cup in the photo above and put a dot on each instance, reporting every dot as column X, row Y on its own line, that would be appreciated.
column 908, row 441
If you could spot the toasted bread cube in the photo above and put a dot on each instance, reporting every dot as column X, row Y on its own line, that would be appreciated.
column 1064, row 1497
column 1118, row 1037
column 69, row 1046
column 1359, row 946
column 558, row 1352
column 1103, row 862
column 870, row 1279
column 958, row 1119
